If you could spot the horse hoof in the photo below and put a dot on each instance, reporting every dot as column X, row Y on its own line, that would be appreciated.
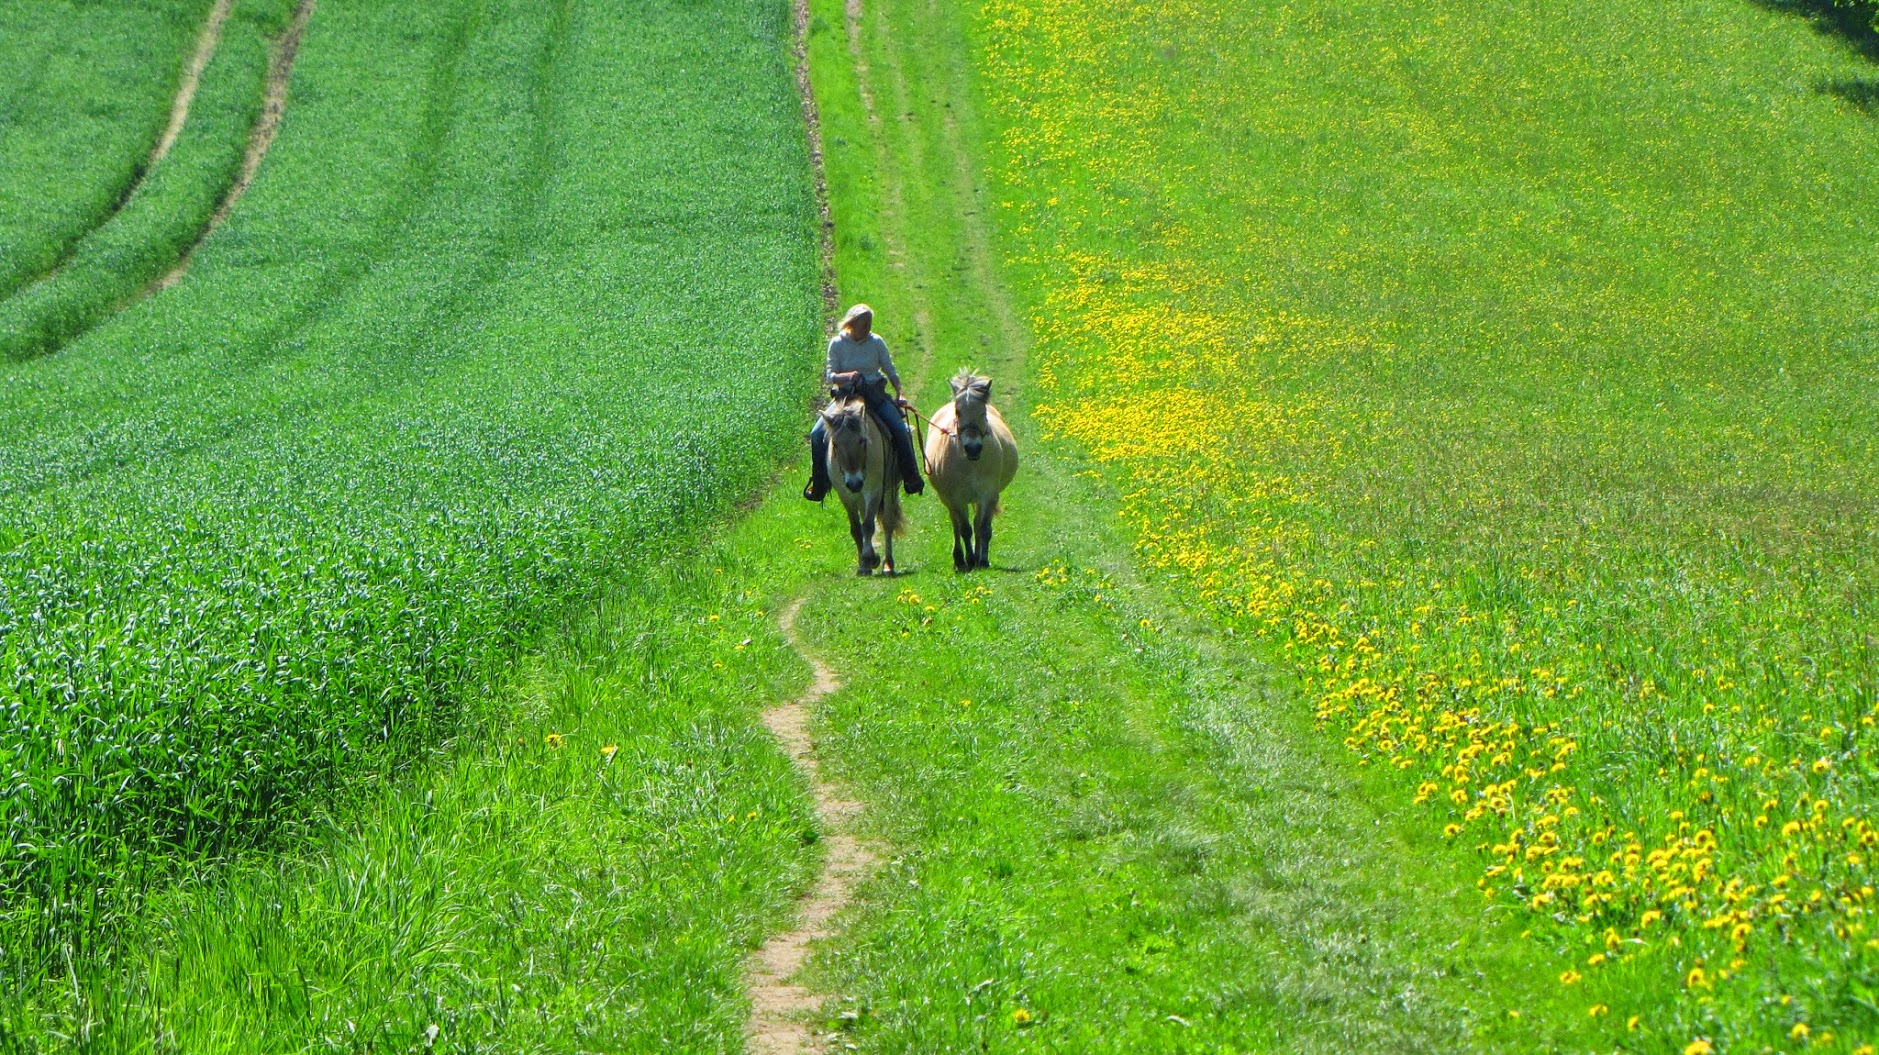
column 864, row 571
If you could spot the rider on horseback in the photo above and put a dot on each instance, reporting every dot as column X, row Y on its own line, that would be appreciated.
column 859, row 362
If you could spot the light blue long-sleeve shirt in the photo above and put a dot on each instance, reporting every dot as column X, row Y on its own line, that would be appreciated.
column 869, row 357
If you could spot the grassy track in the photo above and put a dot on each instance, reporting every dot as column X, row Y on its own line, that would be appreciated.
column 84, row 92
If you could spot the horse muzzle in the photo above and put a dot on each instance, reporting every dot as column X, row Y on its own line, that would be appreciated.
column 973, row 450
column 854, row 482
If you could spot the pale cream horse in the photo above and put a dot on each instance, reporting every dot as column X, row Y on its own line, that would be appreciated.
column 867, row 479
column 971, row 457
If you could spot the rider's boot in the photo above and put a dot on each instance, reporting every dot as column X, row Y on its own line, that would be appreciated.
column 909, row 465
column 819, row 483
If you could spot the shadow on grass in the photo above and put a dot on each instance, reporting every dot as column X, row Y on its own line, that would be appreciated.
column 1851, row 22
column 1861, row 92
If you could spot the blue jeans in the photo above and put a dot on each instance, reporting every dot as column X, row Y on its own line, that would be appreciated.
column 888, row 416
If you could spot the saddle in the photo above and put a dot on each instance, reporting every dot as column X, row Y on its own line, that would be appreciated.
column 872, row 394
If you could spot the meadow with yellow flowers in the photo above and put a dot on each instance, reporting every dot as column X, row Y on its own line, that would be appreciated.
column 1510, row 375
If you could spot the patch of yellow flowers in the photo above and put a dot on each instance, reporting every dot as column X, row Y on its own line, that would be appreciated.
column 1153, row 362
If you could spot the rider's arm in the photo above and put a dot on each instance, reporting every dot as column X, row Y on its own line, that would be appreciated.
column 887, row 365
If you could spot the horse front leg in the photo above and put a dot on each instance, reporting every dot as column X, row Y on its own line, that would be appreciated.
column 962, row 539
column 870, row 560
column 982, row 546
column 887, row 540
column 861, row 541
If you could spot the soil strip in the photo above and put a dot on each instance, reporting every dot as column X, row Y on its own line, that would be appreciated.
column 777, row 1004
column 206, row 42
column 812, row 119
column 260, row 138
column 186, row 89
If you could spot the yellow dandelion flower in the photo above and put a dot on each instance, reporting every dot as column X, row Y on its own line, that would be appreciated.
column 609, row 751
column 1569, row 977
column 1021, row 1017
column 1699, row 1046
column 1822, row 765
column 1633, row 1023
column 1799, row 1032
column 556, row 740
column 1598, row 1010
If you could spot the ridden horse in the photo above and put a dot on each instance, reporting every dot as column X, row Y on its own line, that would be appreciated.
column 970, row 457
column 867, row 478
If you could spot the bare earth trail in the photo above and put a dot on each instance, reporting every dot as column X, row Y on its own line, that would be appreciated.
column 260, row 139
column 186, row 89
column 777, row 1003
column 206, row 41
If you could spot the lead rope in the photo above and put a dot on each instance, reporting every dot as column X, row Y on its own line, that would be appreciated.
column 919, row 417
column 919, row 436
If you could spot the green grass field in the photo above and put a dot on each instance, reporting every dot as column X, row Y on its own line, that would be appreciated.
column 1432, row 615
column 165, row 215
column 275, row 531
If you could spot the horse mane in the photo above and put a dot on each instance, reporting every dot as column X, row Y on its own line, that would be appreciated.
column 966, row 382
column 844, row 411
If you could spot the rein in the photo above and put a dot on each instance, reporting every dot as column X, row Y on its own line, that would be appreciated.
column 941, row 429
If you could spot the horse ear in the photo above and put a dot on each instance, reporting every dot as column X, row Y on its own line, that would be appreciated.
column 983, row 387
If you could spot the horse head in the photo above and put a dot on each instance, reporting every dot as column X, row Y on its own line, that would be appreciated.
column 971, row 395
column 847, row 425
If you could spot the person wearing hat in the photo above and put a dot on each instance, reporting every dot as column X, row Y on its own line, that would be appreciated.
column 858, row 360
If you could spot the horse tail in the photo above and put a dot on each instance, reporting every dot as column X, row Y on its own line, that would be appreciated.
column 893, row 519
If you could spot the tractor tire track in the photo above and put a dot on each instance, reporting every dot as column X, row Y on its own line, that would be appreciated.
column 812, row 120
column 893, row 197
column 207, row 40
column 260, row 139
column 777, row 1003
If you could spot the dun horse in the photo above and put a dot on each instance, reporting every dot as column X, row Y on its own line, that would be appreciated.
column 867, row 478
column 971, row 457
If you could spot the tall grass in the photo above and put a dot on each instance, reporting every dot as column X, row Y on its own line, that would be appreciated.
column 585, row 870
column 1511, row 377
column 522, row 294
